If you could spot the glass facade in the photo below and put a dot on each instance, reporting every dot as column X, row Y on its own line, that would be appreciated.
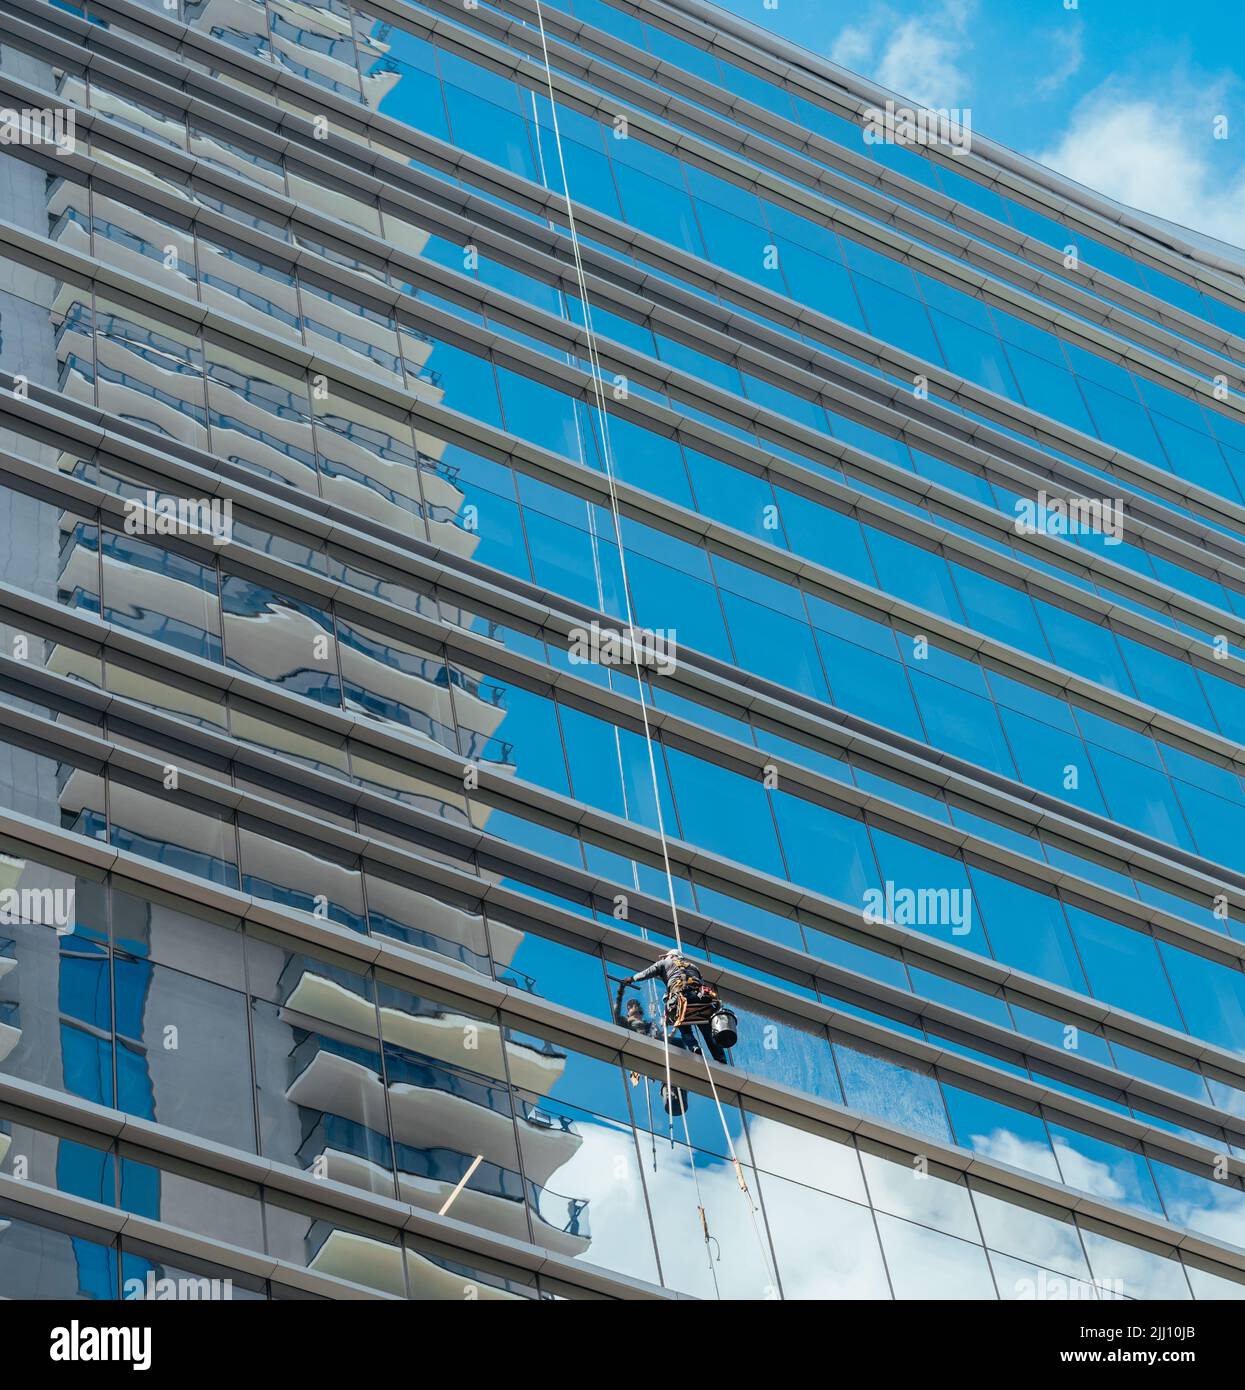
column 325, row 437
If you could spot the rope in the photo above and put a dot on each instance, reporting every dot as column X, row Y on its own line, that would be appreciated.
column 665, row 1043
column 700, row 1207
column 598, row 385
column 598, row 388
column 739, row 1176
column 652, row 1133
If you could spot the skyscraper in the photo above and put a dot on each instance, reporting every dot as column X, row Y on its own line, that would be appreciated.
column 493, row 492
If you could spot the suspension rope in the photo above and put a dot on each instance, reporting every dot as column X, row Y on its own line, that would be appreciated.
column 665, row 1048
column 598, row 385
column 606, row 454
column 582, row 453
column 700, row 1208
column 739, row 1177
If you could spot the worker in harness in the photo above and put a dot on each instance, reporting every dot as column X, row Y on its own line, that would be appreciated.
column 690, row 1002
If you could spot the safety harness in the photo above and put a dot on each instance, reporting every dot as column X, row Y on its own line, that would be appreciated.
column 690, row 1000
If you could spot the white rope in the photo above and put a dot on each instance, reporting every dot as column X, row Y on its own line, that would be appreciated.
column 598, row 383
column 607, row 457
column 665, row 1046
column 700, row 1207
column 739, row 1175
column 600, row 588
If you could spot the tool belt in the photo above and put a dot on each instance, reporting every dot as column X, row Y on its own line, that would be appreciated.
column 690, row 1001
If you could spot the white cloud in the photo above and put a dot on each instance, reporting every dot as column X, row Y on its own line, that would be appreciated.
column 917, row 56
column 1067, row 47
column 854, row 47
column 923, row 64
column 1155, row 155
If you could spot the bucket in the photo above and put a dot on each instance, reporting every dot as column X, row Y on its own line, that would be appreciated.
column 723, row 1027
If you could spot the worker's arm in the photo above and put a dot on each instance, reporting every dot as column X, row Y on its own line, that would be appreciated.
column 650, row 974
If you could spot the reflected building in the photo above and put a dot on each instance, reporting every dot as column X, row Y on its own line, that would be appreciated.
column 351, row 853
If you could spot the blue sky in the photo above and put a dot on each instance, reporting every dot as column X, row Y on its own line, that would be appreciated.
column 1122, row 95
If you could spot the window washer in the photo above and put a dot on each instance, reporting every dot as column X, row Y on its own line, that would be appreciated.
column 690, row 1001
